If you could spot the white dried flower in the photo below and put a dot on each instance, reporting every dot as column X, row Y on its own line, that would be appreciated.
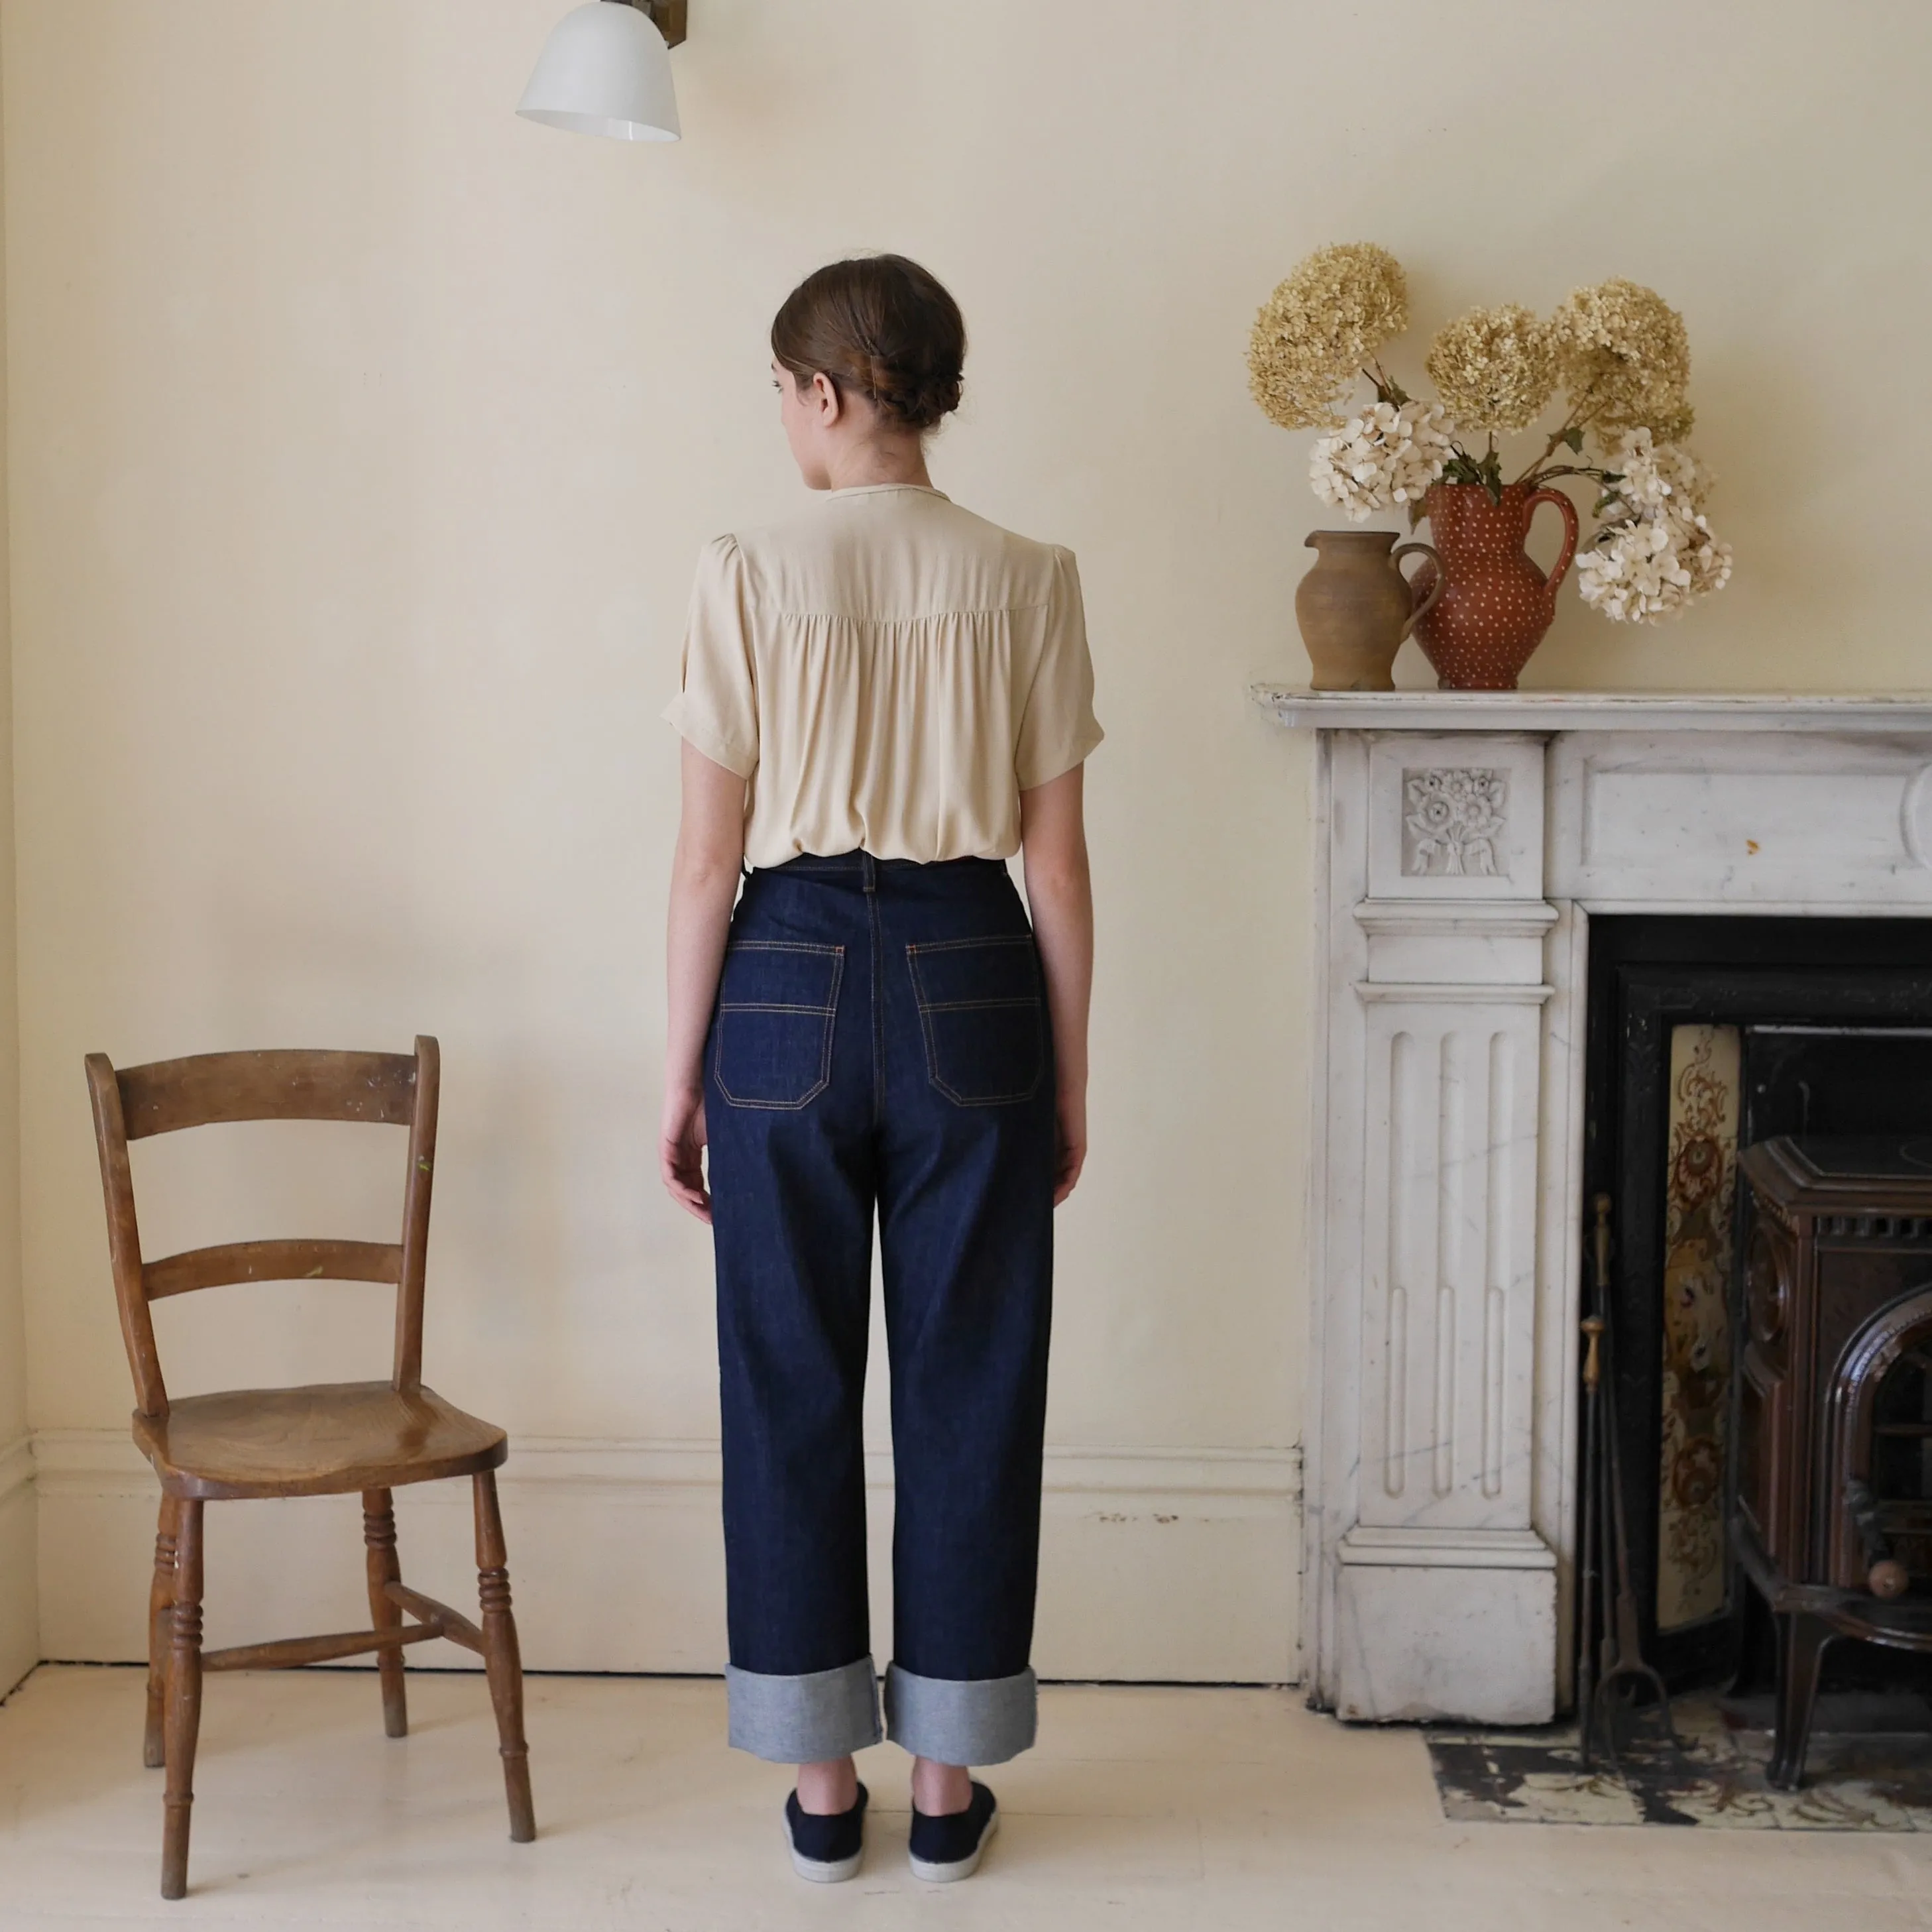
column 1654, row 554
column 1381, row 459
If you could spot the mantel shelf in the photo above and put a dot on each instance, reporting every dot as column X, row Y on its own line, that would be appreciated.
column 1543, row 712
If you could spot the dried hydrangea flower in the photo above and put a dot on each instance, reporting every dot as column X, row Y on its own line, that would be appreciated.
column 1625, row 357
column 1495, row 368
column 1319, row 329
column 1653, row 475
column 1655, row 554
column 1632, row 575
column 1381, row 459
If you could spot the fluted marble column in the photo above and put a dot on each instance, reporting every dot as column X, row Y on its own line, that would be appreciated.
column 1443, row 1600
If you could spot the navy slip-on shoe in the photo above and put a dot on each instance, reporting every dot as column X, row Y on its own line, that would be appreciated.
column 826, row 1847
column 949, row 1846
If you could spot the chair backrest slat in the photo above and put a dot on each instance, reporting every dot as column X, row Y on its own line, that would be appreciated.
column 293, row 1084
column 382, row 1089
column 272, row 1261
column 123, row 1236
column 415, row 1215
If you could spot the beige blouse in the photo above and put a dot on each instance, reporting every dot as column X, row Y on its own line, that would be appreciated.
column 887, row 671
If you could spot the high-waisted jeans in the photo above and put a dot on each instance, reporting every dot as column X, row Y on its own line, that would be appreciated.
column 881, row 1044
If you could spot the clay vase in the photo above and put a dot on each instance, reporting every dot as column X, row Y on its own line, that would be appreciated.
column 1355, row 607
column 1495, row 604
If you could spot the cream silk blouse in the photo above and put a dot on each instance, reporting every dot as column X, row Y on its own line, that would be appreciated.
column 888, row 672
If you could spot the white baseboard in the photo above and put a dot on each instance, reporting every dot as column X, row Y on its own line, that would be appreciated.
column 19, row 1592
column 1156, row 1564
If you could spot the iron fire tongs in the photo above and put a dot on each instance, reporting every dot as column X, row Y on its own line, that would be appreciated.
column 1612, row 1669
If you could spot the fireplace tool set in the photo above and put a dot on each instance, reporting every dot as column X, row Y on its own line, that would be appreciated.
column 1611, row 1670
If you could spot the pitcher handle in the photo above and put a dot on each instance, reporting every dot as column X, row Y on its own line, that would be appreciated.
column 1428, row 604
column 1553, row 582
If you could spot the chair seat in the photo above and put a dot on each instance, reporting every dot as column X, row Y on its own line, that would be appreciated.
column 322, row 1440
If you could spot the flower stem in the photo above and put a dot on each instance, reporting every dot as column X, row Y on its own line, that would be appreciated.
column 1580, row 416
column 1388, row 389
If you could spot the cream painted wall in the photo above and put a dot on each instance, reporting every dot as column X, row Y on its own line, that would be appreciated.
column 363, row 437
column 20, row 1604
column 19, row 1595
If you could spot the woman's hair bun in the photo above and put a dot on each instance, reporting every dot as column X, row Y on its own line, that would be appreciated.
column 880, row 325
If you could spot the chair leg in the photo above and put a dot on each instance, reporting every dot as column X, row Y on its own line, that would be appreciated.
column 160, row 1603
column 184, row 1699
column 379, row 1532
column 1802, row 1639
column 501, row 1658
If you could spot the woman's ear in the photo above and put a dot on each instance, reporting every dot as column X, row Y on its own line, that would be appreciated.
column 824, row 401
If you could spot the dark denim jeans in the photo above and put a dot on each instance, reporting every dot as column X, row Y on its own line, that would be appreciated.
column 881, row 1044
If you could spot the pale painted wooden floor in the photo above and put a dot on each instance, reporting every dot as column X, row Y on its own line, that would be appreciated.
column 1175, row 1809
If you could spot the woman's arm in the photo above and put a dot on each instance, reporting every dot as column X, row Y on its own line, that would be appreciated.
column 1060, row 891
column 704, row 887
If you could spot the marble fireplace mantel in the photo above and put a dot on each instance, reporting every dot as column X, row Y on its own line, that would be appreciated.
column 1465, row 839
column 1544, row 711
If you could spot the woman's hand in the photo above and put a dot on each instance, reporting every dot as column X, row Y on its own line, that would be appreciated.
column 681, row 1142
column 1070, row 1113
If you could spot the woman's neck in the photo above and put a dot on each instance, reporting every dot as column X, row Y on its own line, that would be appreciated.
column 879, row 460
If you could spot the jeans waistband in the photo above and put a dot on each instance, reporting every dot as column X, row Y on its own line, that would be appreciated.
column 862, row 866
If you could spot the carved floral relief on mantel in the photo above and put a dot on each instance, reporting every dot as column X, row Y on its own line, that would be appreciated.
column 1452, row 822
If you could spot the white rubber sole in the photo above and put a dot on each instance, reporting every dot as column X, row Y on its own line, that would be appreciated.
column 824, row 1871
column 960, row 1867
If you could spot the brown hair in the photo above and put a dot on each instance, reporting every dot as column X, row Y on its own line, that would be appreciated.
column 882, row 326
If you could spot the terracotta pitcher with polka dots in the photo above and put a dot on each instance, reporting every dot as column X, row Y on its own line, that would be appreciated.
column 1495, row 605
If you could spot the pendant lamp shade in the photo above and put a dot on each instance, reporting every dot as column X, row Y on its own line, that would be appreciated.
column 605, row 70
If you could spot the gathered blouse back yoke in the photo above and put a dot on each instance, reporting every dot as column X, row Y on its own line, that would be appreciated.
column 887, row 672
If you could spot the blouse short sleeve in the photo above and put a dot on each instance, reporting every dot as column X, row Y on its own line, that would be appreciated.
column 1058, row 728
column 716, row 709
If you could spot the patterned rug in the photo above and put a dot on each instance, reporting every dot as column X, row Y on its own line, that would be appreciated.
column 1870, row 1769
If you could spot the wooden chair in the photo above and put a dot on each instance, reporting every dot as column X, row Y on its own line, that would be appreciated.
column 327, row 1440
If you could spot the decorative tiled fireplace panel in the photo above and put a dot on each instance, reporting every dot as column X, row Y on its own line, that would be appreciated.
column 1700, row 1199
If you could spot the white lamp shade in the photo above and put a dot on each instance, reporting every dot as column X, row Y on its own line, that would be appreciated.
column 605, row 70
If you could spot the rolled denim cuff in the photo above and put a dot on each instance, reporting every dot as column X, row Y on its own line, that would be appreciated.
column 801, row 1720
column 973, row 1720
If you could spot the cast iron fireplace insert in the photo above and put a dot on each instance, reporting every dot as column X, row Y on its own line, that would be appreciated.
column 1832, row 1521
column 1777, row 1026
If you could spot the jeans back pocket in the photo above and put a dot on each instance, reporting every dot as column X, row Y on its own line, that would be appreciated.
column 776, row 1004
column 980, row 1011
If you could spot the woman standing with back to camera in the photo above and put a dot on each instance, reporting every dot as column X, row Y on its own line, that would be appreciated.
column 884, row 698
